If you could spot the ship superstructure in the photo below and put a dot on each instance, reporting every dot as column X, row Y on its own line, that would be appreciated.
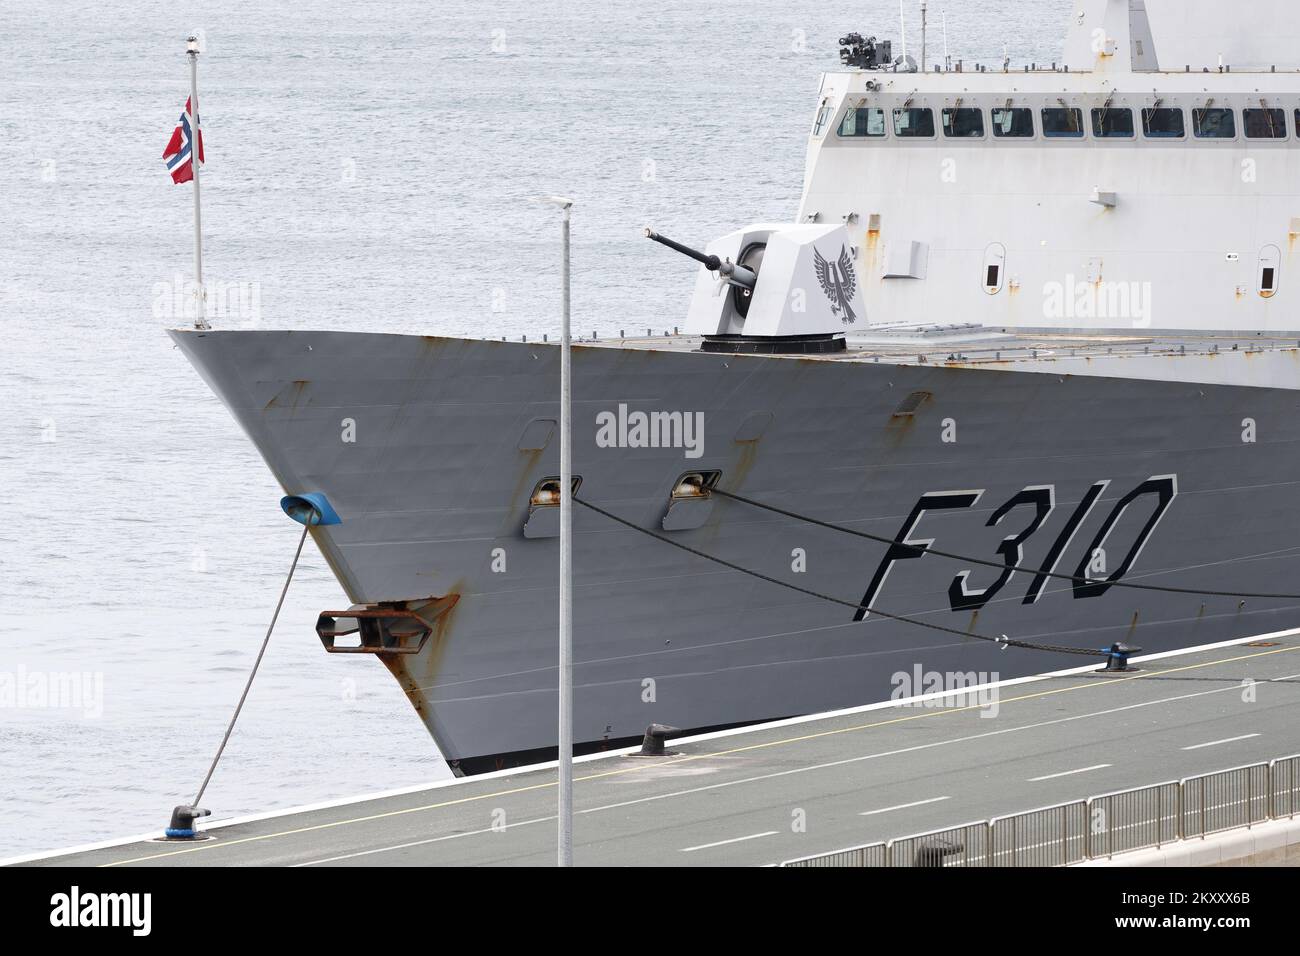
column 999, row 197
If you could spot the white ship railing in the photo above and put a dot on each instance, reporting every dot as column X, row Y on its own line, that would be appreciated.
column 1096, row 828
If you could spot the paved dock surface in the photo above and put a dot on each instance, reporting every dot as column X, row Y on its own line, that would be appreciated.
column 778, row 792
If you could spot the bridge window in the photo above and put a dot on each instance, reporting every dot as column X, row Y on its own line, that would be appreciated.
column 1214, row 124
column 863, row 121
column 1264, row 124
column 963, row 121
column 1163, row 123
column 1016, row 122
column 1111, row 123
column 1063, row 122
column 913, row 122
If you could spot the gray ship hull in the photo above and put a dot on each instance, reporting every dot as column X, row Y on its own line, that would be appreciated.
column 434, row 494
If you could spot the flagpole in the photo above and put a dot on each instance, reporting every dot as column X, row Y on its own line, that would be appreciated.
column 200, row 312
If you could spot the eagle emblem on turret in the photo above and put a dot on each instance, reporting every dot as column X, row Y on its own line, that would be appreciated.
column 838, row 282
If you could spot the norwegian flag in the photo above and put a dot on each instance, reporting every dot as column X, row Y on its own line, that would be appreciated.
column 177, row 154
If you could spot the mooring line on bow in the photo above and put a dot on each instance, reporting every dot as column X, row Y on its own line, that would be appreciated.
column 1004, row 641
column 302, row 508
column 1001, row 566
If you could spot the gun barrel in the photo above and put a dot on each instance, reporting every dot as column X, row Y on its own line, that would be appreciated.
column 739, row 275
column 712, row 263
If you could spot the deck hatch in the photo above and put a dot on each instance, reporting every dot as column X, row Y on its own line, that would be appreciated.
column 995, row 257
column 908, row 406
column 1270, row 258
column 537, row 434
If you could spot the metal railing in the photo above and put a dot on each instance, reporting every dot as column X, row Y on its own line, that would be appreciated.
column 966, row 845
column 1285, row 788
column 873, row 854
column 1133, row 819
column 1096, row 828
column 1052, row 836
column 1239, row 797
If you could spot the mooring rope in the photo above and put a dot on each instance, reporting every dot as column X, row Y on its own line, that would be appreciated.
column 925, row 549
column 1004, row 641
column 256, row 663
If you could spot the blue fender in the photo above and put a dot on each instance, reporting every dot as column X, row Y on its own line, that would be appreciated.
column 311, row 507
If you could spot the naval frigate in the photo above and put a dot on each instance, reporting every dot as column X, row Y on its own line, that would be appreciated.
column 1028, row 343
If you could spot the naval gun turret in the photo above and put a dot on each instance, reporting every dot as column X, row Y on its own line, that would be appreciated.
column 791, row 288
column 742, row 276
